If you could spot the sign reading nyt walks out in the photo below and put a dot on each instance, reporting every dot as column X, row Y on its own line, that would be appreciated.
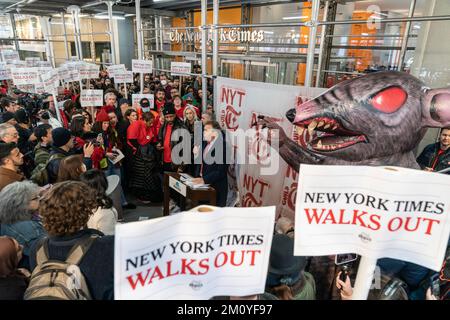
column 194, row 255
column 376, row 212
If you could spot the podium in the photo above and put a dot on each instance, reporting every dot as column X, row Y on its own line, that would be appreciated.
column 172, row 181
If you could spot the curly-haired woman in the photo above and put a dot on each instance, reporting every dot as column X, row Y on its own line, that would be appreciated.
column 65, row 212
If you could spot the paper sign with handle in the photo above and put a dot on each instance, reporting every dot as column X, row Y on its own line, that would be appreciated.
column 375, row 212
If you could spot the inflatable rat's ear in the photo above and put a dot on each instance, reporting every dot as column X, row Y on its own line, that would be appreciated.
column 436, row 108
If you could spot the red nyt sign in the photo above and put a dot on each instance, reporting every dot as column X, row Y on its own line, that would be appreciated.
column 233, row 99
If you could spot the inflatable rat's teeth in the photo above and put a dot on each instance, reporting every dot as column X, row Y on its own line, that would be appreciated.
column 312, row 126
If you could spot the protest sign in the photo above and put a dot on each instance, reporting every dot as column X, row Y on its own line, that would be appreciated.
column 89, row 71
column 10, row 55
column 50, row 80
column 25, row 76
column 180, row 68
column 118, row 68
column 123, row 77
column 5, row 73
column 26, row 87
column 91, row 98
column 142, row 66
column 32, row 61
column 39, row 88
column 375, row 212
column 44, row 64
column 72, row 75
column 194, row 255
column 136, row 98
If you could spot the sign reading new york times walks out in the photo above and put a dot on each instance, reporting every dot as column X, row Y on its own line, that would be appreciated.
column 91, row 98
column 375, row 212
column 180, row 68
column 194, row 255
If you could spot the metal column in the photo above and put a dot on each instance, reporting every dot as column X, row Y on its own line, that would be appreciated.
column 322, row 44
column 13, row 24
column 215, row 61
column 112, row 36
column 75, row 11
column 406, row 36
column 157, row 43
column 204, row 53
column 161, row 42
column 139, row 40
column 312, row 43
column 65, row 35
column 49, row 48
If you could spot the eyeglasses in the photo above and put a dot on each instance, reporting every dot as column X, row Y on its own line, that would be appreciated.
column 15, row 135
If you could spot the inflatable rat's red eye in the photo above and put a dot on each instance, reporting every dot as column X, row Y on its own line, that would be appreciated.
column 389, row 100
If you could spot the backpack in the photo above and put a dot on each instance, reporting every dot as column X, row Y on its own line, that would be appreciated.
column 59, row 280
column 40, row 173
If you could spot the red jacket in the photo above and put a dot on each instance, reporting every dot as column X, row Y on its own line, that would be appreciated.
column 97, row 156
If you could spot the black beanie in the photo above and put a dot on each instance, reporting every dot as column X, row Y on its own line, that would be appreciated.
column 168, row 108
column 60, row 137
column 6, row 116
column 21, row 116
column 123, row 101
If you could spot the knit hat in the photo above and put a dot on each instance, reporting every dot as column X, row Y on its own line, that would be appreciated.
column 6, row 116
column 188, row 96
column 60, row 137
column 102, row 116
column 5, row 149
column 282, row 260
column 123, row 101
column 21, row 116
column 169, row 108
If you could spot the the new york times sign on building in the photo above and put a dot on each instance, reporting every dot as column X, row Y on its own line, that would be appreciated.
column 225, row 35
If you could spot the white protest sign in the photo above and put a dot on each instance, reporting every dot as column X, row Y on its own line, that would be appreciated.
column 118, row 68
column 375, row 212
column 10, row 55
column 177, row 185
column 50, row 80
column 124, row 77
column 5, row 73
column 136, row 98
column 44, row 64
column 180, row 68
column 17, row 64
column 89, row 71
column 32, row 61
column 72, row 75
column 24, row 76
column 26, row 87
column 142, row 66
column 62, row 72
column 39, row 88
column 194, row 255
column 91, row 98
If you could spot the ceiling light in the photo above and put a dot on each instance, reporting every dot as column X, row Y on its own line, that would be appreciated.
column 295, row 18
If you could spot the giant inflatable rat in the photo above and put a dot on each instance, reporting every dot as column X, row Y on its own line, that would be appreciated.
column 376, row 119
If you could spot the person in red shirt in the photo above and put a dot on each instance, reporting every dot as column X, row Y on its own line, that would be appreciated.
column 179, row 108
column 165, row 141
column 144, row 181
column 160, row 96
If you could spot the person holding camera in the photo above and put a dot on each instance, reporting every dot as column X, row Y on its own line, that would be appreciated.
column 63, row 146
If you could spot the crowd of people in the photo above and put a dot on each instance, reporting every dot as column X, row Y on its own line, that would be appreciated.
column 54, row 198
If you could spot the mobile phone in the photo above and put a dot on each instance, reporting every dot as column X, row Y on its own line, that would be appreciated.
column 344, row 274
column 341, row 259
column 435, row 285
